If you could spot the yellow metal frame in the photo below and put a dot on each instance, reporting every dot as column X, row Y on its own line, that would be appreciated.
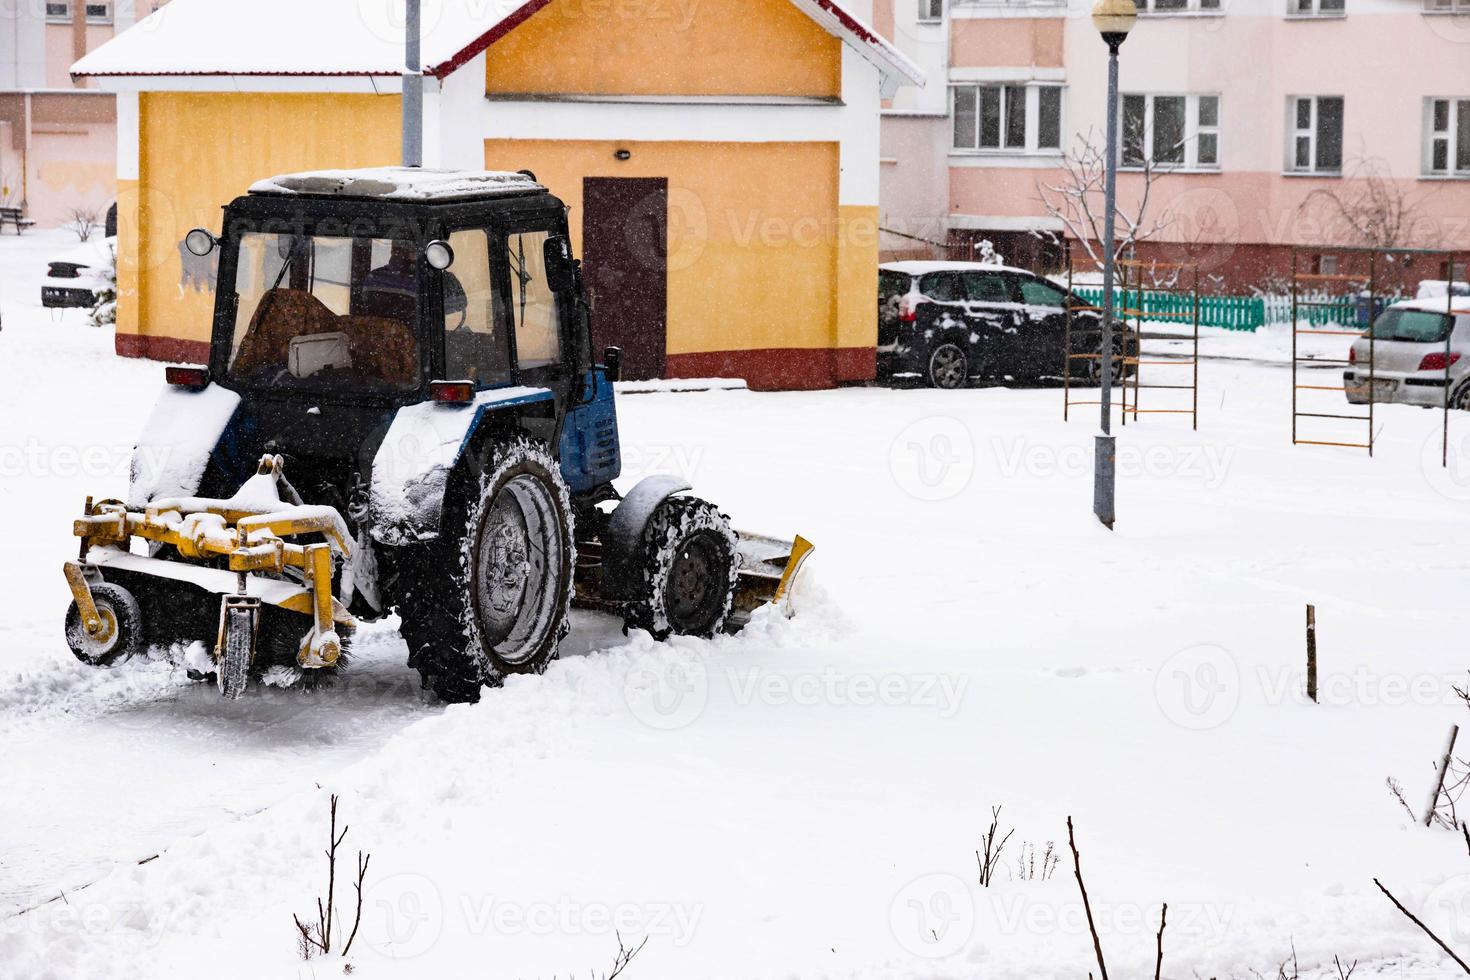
column 251, row 540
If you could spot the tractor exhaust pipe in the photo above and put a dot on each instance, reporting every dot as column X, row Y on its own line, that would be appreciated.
column 413, row 88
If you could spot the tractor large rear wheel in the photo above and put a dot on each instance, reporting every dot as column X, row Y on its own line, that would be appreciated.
column 492, row 594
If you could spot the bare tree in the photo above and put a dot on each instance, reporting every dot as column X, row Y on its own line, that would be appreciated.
column 1366, row 208
column 317, row 937
column 82, row 222
column 1076, row 199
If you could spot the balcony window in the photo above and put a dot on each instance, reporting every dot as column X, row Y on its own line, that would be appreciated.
column 1177, row 132
column 1316, row 8
column 931, row 10
column 1162, row 7
column 1447, row 137
column 1011, row 118
column 1314, row 141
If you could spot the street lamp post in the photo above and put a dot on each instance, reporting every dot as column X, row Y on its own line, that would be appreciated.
column 413, row 88
column 1113, row 20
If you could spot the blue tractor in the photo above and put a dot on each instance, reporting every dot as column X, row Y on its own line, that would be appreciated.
column 412, row 346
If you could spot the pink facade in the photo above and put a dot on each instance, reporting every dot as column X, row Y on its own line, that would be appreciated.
column 1250, row 110
column 58, row 137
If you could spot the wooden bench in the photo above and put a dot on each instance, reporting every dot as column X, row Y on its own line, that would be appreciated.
column 13, row 215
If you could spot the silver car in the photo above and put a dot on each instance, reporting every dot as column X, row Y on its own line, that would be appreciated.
column 1419, row 346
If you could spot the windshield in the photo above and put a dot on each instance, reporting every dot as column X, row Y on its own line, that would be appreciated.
column 319, row 312
column 1414, row 326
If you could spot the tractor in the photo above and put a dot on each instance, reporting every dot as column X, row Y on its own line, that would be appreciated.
column 401, row 412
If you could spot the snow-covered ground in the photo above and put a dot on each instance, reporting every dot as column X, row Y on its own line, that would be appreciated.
column 805, row 799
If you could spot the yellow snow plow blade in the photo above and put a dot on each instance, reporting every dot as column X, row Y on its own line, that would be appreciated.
column 769, row 568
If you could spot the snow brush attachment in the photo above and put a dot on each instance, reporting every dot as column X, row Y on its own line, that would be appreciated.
column 219, row 544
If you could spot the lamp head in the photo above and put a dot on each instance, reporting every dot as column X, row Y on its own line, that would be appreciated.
column 1114, row 19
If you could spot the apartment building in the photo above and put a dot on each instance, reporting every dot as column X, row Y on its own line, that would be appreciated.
column 58, row 136
column 1256, row 120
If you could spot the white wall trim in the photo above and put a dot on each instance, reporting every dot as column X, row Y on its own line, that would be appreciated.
column 369, row 84
column 650, row 122
column 127, row 136
column 1005, row 222
column 1020, row 74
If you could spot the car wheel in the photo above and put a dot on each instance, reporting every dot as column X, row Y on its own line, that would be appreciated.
column 948, row 367
column 1094, row 365
column 1460, row 398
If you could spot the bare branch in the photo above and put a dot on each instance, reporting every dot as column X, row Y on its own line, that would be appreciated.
column 1086, row 905
column 1426, row 930
column 1159, row 963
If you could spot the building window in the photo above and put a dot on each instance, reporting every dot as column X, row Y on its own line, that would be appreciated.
column 931, row 10
column 1173, row 131
column 59, row 12
column 1315, row 134
column 1447, row 6
column 1010, row 118
column 1316, row 8
column 1325, row 265
column 1178, row 6
column 1447, row 137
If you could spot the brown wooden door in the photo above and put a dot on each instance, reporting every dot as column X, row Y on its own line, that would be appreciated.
column 625, row 223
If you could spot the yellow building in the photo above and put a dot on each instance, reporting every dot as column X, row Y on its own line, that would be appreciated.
column 719, row 157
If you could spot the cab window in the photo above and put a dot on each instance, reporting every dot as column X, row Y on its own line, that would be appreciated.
column 325, row 313
column 533, row 314
column 474, row 349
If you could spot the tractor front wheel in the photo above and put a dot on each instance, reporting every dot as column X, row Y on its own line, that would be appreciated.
column 690, row 560
column 493, row 593
column 120, row 635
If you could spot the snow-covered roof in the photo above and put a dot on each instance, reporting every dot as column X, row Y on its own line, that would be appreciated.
column 348, row 37
column 921, row 267
column 399, row 184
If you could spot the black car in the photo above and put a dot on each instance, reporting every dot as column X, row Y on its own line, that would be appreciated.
column 948, row 322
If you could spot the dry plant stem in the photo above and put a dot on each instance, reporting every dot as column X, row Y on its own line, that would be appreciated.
column 1425, row 929
column 1086, row 905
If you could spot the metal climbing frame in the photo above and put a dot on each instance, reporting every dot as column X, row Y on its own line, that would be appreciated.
column 1364, row 301
column 1170, row 301
column 1323, row 283
column 1178, row 300
column 1069, row 358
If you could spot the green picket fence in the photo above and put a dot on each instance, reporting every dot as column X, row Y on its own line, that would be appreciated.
column 1229, row 312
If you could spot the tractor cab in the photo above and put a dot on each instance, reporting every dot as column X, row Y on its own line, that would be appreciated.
column 372, row 284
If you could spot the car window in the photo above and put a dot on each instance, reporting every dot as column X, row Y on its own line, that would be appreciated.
column 944, row 287
column 1038, row 292
column 988, row 287
column 892, row 284
column 473, row 349
column 1414, row 326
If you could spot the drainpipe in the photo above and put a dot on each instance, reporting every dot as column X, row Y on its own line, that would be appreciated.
column 78, row 34
column 413, row 89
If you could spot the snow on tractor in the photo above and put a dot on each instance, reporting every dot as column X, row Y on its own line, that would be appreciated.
column 477, row 507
